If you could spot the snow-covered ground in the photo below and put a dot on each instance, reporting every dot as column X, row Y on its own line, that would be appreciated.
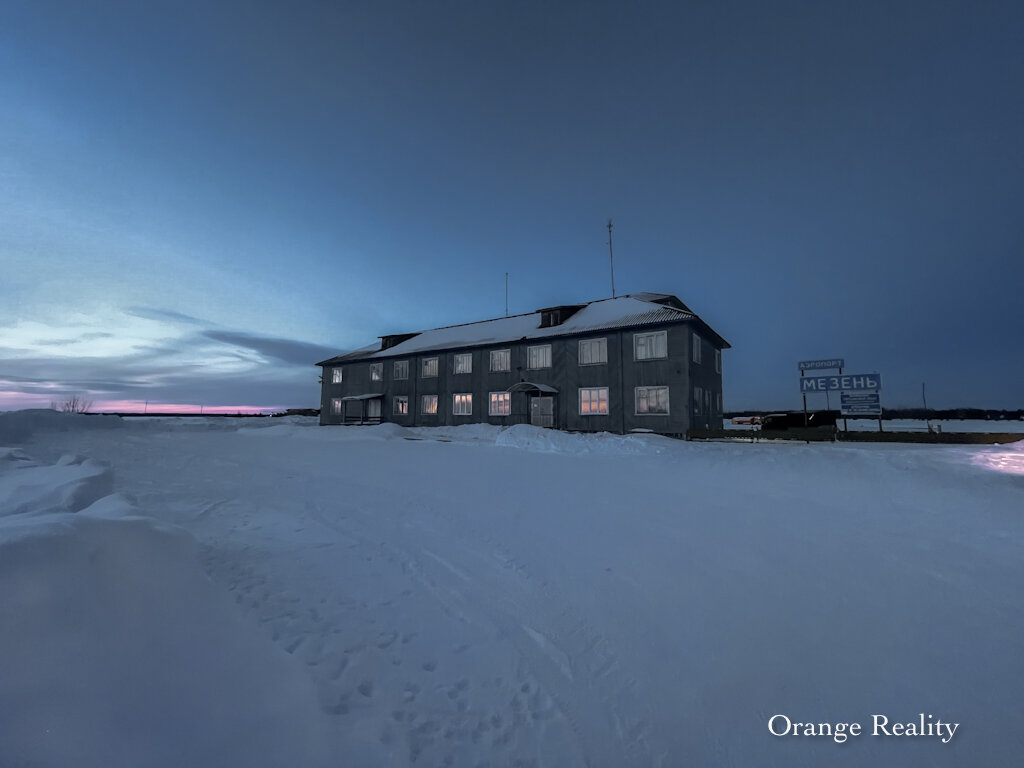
column 269, row 593
column 920, row 425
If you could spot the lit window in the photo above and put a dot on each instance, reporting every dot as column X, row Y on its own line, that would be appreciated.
column 336, row 405
column 429, row 369
column 428, row 403
column 651, row 400
column 463, row 363
column 648, row 346
column 501, row 360
column 336, row 376
column 696, row 348
column 593, row 401
column 593, row 351
column 500, row 405
column 718, row 361
column 400, row 405
column 376, row 371
column 538, row 357
column 401, row 369
column 462, row 404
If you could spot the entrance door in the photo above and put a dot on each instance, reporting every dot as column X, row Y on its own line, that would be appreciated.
column 542, row 411
column 373, row 409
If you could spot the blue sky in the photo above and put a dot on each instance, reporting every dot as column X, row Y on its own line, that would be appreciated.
column 198, row 201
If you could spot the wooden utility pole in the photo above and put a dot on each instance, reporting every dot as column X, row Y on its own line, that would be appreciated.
column 611, row 258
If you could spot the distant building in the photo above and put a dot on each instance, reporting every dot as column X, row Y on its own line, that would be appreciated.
column 643, row 361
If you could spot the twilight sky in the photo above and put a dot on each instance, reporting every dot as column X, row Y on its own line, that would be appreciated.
column 200, row 200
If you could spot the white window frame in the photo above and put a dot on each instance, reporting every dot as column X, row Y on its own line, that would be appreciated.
column 400, row 372
column 423, row 405
column 400, row 405
column 718, row 361
column 654, row 336
column 696, row 345
column 505, row 398
column 636, row 401
column 428, row 363
column 602, row 351
column 462, row 362
column 530, row 355
column 337, row 375
column 462, row 404
column 590, row 400
column 503, row 355
column 337, row 405
column 376, row 371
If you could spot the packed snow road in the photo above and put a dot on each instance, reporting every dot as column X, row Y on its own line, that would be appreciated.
column 486, row 597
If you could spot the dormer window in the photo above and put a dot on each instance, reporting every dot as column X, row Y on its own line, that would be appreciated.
column 557, row 315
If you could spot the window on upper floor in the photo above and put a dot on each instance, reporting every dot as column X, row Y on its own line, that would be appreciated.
column 695, row 344
column 376, row 371
column 593, row 351
column 718, row 361
column 593, row 401
column 651, row 400
column 538, row 357
column 650, row 346
column 501, row 360
column 429, row 368
column 401, row 370
column 463, row 363
column 336, row 376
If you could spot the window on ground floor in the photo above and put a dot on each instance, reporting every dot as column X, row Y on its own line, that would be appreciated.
column 462, row 404
column 651, row 400
column 428, row 404
column 698, row 399
column 373, row 408
column 500, row 404
column 336, row 405
column 593, row 401
column 400, row 405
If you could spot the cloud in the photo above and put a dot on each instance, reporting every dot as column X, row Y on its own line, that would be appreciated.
column 163, row 315
column 285, row 350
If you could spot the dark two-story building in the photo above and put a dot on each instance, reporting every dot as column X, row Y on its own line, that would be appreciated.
column 643, row 361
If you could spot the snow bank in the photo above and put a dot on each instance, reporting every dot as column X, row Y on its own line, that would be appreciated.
column 526, row 437
column 116, row 649
column 17, row 426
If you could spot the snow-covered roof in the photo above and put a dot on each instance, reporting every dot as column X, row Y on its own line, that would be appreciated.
column 636, row 309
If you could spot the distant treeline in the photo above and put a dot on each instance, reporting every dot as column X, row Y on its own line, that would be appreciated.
column 980, row 414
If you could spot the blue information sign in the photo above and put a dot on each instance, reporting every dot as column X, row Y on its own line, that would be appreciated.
column 859, row 382
column 860, row 404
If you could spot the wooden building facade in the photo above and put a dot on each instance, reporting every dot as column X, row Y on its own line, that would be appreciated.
column 637, row 362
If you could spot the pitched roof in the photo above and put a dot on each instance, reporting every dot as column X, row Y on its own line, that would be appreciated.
column 636, row 309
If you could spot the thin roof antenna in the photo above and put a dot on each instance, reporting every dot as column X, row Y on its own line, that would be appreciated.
column 506, row 294
column 611, row 258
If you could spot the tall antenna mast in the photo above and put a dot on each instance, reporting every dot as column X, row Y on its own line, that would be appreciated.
column 506, row 294
column 611, row 258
